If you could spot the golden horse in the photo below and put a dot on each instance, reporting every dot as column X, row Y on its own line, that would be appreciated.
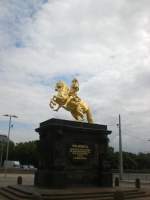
column 67, row 98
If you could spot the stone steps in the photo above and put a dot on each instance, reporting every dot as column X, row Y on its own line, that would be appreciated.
column 21, row 190
column 9, row 195
column 14, row 194
column 136, row 195
column 18, row 193
column 95, row 196
column 85, row 195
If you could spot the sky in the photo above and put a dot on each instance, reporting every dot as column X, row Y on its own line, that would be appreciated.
column 105, row 44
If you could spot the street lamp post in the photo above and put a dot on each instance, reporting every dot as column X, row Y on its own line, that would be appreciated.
column 1, row 156
column 120, row 150
column 9, row 127
column 2, row 149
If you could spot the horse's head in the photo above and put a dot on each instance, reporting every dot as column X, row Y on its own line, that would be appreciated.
column 62, row 94
column 62, row 89
column 60, row 86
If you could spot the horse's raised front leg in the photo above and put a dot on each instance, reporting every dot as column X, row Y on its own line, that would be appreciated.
column 57, row 108
column 53, row 104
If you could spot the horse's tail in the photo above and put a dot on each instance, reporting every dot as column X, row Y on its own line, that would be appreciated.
column 89, row 116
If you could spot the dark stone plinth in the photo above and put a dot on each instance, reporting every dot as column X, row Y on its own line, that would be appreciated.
column 72, row 154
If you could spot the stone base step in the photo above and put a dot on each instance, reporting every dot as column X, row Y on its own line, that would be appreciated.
column 23, row 193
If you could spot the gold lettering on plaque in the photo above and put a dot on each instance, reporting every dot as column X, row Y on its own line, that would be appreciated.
column 80, row 151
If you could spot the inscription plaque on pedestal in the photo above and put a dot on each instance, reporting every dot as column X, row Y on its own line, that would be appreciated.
column 80, row 152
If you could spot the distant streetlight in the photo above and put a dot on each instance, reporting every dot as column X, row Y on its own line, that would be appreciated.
column 2, row 148
column 2, row 151
column 120, row 150
column 9, row 127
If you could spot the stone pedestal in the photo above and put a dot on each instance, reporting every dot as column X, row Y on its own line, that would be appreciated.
column 72, row 154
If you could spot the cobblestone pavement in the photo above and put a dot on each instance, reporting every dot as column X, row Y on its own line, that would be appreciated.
column 28, row 179
column 11, row 179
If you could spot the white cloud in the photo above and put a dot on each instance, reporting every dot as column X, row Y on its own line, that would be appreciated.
column 104, row 43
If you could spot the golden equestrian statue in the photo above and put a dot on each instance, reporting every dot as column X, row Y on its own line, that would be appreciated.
column 68, row 99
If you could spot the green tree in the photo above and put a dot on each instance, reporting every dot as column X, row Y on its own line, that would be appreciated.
column 26, row 153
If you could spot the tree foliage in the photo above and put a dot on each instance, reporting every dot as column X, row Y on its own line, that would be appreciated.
column 26, row 153
column 131, row 161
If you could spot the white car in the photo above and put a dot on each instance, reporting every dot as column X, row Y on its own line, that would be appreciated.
column 11, row 164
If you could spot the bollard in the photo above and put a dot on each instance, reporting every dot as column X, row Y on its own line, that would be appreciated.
column 119, row 195
column 19, row 180
column 138, row 183
column 116, row 182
